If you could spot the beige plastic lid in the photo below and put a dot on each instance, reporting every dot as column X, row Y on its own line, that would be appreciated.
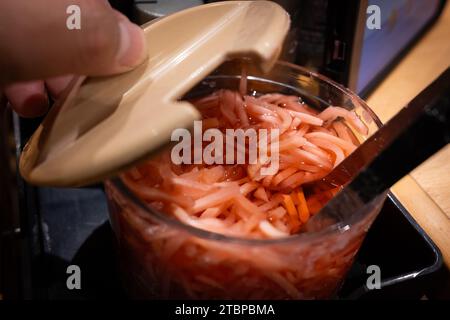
column 107, row 124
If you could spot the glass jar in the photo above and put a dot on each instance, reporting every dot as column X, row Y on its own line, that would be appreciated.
column 162, row 258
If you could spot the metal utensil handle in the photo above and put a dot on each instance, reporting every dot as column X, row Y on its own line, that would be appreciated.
column 413, row 135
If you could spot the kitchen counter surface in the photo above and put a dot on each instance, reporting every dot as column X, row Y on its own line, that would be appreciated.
column 425, row 193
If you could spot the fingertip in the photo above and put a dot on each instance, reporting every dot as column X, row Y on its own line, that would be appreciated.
column 35, row 105
column 28, row 99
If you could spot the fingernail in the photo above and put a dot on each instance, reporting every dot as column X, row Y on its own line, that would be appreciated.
column 132, row 50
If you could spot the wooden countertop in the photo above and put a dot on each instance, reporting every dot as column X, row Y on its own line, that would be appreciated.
column 425, row 193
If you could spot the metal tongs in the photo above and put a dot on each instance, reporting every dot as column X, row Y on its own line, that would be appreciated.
column 414, row 134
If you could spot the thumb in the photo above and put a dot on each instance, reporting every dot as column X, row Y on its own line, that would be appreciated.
column 40, row 44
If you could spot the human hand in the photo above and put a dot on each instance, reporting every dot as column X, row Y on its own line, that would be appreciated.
column 36, row 44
